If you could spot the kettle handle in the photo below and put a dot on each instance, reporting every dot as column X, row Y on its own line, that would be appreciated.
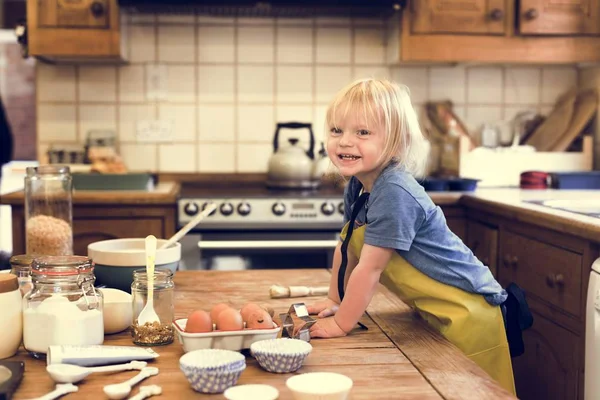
column 295, row 125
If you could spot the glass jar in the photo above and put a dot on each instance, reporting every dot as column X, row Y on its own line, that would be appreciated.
column 48, row 210
column 21, row 267
column 63, row 307
column 161, row 332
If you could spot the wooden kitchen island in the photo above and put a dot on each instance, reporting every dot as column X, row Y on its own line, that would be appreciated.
column 399, row 357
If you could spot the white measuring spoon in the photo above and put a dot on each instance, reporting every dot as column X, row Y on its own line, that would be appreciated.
column 61, row 390
column 121, row 390
column 148, row 315
column 68, row 373
column 181, row 233
column 147, row 391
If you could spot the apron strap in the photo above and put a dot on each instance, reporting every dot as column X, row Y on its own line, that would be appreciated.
column 358, row 205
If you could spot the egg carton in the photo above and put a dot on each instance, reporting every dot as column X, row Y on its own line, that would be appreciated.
column 228, row 340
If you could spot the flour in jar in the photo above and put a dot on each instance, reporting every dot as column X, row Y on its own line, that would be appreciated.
column 57, row 321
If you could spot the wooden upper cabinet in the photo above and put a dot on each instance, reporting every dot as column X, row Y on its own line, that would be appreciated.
column 76, row 30
column 559, row 17
column 487, row 17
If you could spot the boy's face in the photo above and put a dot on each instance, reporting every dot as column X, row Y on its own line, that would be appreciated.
column 355, row 145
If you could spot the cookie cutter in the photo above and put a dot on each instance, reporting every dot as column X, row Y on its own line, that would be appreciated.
column 301, row 328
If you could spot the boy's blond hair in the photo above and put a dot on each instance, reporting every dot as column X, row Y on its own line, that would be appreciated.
column 389, row 103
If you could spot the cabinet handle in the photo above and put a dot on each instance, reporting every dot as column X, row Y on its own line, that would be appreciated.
column 532, row 13
column 553, row 280
column 514, row 261
column 497, row 14
column 97, row 9
column 506, row 260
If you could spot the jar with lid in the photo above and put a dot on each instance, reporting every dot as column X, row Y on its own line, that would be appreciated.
column 63, row 307
column 10, row 315
column 20, row 266
column 156, row 333
column 48, row 210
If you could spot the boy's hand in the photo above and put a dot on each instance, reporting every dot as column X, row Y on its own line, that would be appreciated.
column 326, row 328
column 325, row 308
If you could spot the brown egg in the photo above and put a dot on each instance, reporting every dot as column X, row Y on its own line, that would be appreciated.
column 199, row 321
column 269, row 309
column 229, row 320
column 248, row 309
column 216, row 310
column 259, row 320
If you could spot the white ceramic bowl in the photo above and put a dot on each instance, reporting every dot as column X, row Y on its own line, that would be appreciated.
column 319, row 386
column 281, row 355
column 117, row 311
column 116, row 259
column 251, row 392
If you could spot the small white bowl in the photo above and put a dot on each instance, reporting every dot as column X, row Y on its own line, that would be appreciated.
column 319, row 386
column 117, row 311
column 253, row 392
column 281, row 355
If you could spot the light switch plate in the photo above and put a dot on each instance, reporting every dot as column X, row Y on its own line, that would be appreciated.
column 156, row 82
column 152, row 131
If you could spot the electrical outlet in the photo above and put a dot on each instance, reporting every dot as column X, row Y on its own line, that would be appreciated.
column 154, row 130
column 156, row 82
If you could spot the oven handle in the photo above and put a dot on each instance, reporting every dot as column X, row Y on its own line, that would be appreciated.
column 271, row 244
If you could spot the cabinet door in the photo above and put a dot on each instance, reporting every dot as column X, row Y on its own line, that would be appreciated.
column 86, row 231
column 564, row 17
column 549, row 367
column 487, row 17
column 73, row 13
column 483, row 242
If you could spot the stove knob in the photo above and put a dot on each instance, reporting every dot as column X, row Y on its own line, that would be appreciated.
column 190, row 209
column 327, row 208
column 226, row 209
column 206, row 205
column 278, row 209
column 244, row 209
column 341, row 208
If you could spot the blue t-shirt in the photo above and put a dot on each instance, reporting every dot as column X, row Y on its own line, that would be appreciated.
column 401, row 216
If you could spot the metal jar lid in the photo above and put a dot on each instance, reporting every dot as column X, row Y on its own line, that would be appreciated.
column 8, row 283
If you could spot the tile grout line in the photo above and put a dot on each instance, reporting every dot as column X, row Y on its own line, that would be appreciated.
column 155, row 102
column 236, row 110
column 197, row 143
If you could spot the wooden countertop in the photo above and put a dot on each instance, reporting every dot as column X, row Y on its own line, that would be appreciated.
column 164, row 193
column 398, row 357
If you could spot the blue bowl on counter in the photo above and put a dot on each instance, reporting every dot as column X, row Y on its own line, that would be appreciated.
column 462, row 184
column 116, row 259
column 435, row 184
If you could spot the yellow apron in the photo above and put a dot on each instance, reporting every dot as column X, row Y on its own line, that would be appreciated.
column 465, row 319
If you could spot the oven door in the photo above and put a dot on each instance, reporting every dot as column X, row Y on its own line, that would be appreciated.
column 258, row 250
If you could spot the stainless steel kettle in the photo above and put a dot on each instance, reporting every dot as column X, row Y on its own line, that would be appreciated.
column 292, row 167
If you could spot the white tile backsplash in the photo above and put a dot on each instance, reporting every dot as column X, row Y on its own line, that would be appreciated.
column 177, row 158
column 96, row 117
column 255, row 83
column 176, row 43
column 131, row 84
column 180, row 86
column 295, row 45
column 522, row 85
column 216, row 44
column 334, row 45
column 230, row 80
column 216, row 83
column 255, row 123
column 56, row 83
column 447, row 83
column 97, row 84
column 255, row 44
column 294, row 84
column 216, row 123
column 216, row 157
column 184, row 121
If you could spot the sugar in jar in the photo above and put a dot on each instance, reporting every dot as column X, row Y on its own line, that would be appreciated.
column 63, row 307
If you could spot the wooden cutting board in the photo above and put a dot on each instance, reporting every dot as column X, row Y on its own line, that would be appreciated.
column 585, row 108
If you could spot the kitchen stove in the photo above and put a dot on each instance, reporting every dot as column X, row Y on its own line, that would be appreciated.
column 256, row 207
column 255, row 227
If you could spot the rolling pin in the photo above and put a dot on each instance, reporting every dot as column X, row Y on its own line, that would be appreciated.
column 280, row 292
